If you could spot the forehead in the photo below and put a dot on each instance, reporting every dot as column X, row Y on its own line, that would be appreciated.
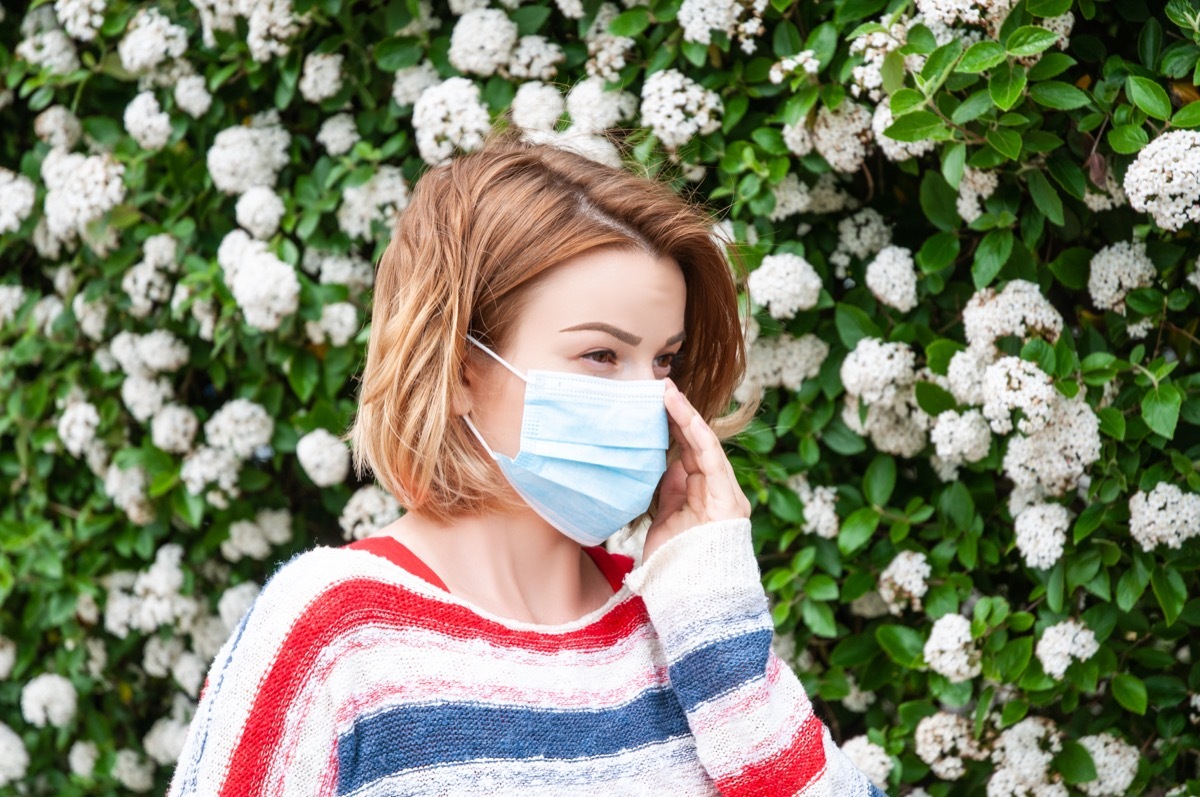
column 614, row 282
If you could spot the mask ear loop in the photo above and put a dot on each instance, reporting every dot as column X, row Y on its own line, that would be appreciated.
column 467, row 418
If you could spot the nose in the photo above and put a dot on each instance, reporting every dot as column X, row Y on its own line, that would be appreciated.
column 640, row 370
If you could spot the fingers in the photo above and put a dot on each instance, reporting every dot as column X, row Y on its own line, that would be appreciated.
column 702, row 446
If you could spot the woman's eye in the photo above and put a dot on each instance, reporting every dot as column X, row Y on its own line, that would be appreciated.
column 668, row 360
column 606, row 356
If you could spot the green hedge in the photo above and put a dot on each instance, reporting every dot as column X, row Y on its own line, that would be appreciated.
column 972, row 227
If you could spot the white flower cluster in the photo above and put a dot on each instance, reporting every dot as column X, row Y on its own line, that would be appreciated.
column 48, row 699
column 132, row 771
column 265, row 288
column 77, row 426
column 58, row 127
column 45, row 44
column 820, row 515
column 593, row 108
column 147, row 123
column 82, row 758
column 870, row 759
column 678, row 108
column 791, row 197
column 1011, row 384
column 781, row 361
column 537, row 106
column 857, row 699
column 989, row 13
column 883, row 377
column 606, row 52
column 337, row 325
column 950, row 651
column 412, row 80
column 804, row 61
column 1164, row 179
column 254, row 538
column 350, row 270
column 482, row 41
column 127, row 489
column 1111, row 196
column 191, row 95
column 843, row 136
column 322, row 76
column 1116, row 270
column 447, row 116
column 740, row 20
column 874, row 47
column 367, row 511
column 784, row 284
column 81, row 18
column 1022, row 755
column 895, row 150
column 535, row 58
column 943, row 740
column 17, row 195
column 14, row 758
column 236, row 602
column 860, row 235
column 268, row 24
column 904, row 581
column 147, row 283
column 150, row 40
column 234, row 433
column 381, row 199
column 1041, row 532
column 259, row 211
column 324, row 457
column 1062, row 642
column 338, row 134
column 892, row 277
column 1053, row 460
column 242, row 157
column 151, row 598
column 80, row 190
column 1019, row 310
column 1116, row 763
column 974, row 187
column 1165, row 516
column 959, row 438
column 164, row 742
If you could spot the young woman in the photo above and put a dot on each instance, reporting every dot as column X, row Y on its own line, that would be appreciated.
column 554, row 344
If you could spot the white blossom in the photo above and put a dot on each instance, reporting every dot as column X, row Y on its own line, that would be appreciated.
column 14, row 758
column 80, row 190
column 447, row 116
column 150, row 40
column 1022, row 755
column 593, row 108
column 895, row 150
column 870, row 759
column 52, row 50
column 482, row 41
column 259, row 210
column 412, row 80
column 864, row 233
column 337, row 326
column 740, row 20
column 904, row 581
column 961, row 437
column 127, row 489
column 210, row 465
column 843, row 136
column 1166, row 515
column 1019, row 309
column 164, row 741
column 265, row 288
column 144, row 396
column 338, row 134
column 781, row 361
column 192, row 97
column 132, row 771
column 536, row 58
column 820, row 516
column 324, row 457
column 146, row 122
column 77, row 426
column 368, row 510
column 950, row 651
column 804, row 61
column 858, row 700
column 678, row 108
column 173, row 428
column 1011, row 384
column 784, row 284
column 1164, row 179
column 875, row 371
column 1117, row 269
column 382, row 199
column 81, row 18
column 537, row 106
column 607, row 52
column 1053, row 460
column 322, row 76
column 974, row 187
column 891, row 276
column 82, row 758
column 58, row 127
column 1062, row 642
column 48, row 699
column 1116, row 763
column 240, row 426
column 1041, row 533
column 943, row 740
column 791, row 197
column 235, row 602
column 11, row 299
column 242, row 157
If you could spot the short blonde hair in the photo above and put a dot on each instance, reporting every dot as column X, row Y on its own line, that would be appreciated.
column 478, row 232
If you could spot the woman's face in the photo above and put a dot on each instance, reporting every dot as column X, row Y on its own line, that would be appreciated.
column 616, row 314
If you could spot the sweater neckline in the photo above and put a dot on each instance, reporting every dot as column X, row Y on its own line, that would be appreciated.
column 429, row 585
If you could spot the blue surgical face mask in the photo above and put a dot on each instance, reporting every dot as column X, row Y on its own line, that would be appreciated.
column 592, row 449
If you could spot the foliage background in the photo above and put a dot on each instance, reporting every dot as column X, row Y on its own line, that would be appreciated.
column 1126, row 77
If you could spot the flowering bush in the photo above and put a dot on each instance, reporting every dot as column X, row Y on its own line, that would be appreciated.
column 973, row 323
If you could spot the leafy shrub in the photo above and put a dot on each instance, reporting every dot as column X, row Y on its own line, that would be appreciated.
column 971, row 224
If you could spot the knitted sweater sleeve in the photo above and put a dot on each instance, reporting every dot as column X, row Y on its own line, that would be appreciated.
column 266, row 723
column 755, row 729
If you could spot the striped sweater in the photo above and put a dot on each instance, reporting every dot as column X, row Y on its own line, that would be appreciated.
column 351, row 675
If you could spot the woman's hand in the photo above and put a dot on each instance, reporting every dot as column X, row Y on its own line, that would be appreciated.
column 699, row 487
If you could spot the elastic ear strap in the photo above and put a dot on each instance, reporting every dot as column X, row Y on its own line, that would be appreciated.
column 479, row 437
column 497, row 358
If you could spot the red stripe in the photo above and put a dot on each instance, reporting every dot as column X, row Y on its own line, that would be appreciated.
column 350, row 604
column 786, row 772
column 399, row 554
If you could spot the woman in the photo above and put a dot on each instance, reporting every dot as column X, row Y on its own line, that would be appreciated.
column 544, row 330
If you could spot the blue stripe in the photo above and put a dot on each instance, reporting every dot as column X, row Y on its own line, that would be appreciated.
column 411, row 736
column 875, row 792
column 719, row 668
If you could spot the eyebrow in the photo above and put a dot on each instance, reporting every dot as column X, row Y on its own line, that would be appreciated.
column 619, row 334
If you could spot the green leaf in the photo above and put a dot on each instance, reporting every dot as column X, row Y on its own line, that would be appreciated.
column 821, row 587
column 1187, row 116
column 1127, row 139
column 902, row 644
column 1150, row 42
column 906, row 100
column 853, row 324
column 938, row 252
column 880, row 480
column 392, row 54
column 915, row 126
column 939, row 201
column 1071, row 267
column 1171, row 592
column 630, row 23
column 1130, row 692
column 1014, row 658
column 1056, row 94
column 1006, row 84
column 857, row 529
column 818, row 617
column 1048, row 8
column 1112, row 422
column 1006, row 142
column 1075, row 763
column 981, row 56
column 529, row 19
column 972, row 107
column 1051, row 65
column 1045, row 198
column 933, row 398
column 938, row 355
column 1130, row 588
column 787, row 39
column 990, row 256
column 1160, row 409
column 1030, row 40
column 1149, row 96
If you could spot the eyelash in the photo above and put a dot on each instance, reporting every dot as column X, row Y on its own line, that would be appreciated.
column 674, row 358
